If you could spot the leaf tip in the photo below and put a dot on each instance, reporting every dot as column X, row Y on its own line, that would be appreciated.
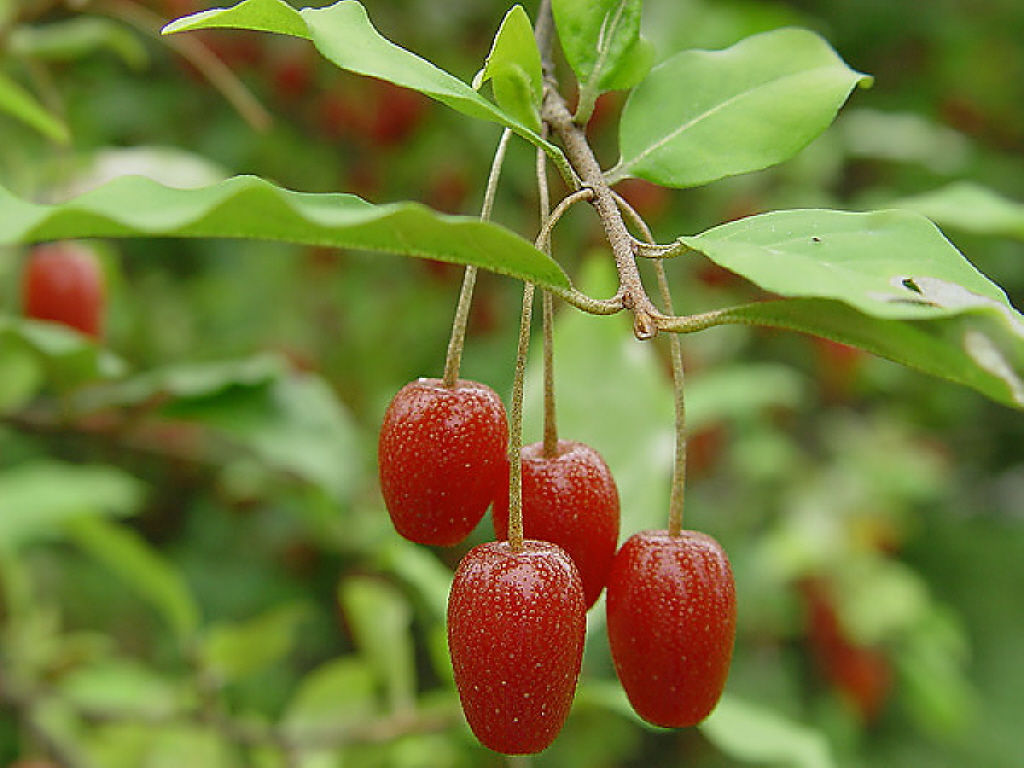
column 184, row 24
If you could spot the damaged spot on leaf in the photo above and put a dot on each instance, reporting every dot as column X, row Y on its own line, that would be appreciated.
column 988, row 356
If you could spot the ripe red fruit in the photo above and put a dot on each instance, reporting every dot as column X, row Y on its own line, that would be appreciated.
column 671, row 623
column 516, row 625
column 441, row 457
column 63, row 283
column 571, row 500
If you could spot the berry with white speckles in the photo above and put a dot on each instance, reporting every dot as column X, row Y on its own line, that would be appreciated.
column 516, row 625
column 671, row 612
column 442, row 458
column 571, row 500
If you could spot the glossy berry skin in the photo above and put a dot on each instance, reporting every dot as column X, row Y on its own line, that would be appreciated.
column 442, row 458
column 671, row 612
column 516, row 624
column 571, row 500
column 63, row 283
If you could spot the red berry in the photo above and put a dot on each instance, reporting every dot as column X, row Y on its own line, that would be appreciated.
column 63, row 283
column 861, row 674
column 569, row 499
column 516, row 625
column 441, row 457
column 671, row 624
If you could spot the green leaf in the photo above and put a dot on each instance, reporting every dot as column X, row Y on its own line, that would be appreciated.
column 256, row 15
column 19, row 103
column 380, row 619
column 142, row 569
column 970, row 207
column 514, row 69
column 187, row 387
column 868, row 279
column 946, row 348
column 301, row 430
column 338, row 692
column 249, row 207
column 704, row 115
column 239, row 650
column 23, row 375
column 342, row 32
column 68, row 358
column 292, row 422
column 421, row 570
column 77, row 37
column 601, row 41
column 740, row 390
column 36, row 499
column 633, row 67
column 121, row 687
column 873, row 261
column 756, row 734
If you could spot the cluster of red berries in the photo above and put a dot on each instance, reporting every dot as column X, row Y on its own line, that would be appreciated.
column 517, row 614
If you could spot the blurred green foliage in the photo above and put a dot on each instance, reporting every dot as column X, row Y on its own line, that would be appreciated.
column 197, row 554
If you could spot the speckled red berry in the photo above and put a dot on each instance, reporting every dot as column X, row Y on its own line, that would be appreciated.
column 516, row 625
column 442, row 458
column 571, row 500
column 671, row 610
column 63, row 283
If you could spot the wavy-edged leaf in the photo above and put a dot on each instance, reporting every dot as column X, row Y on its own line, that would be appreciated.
column 513, row 66
column 141, row 568
column 248, row 207
column 886, row 281
column 343, row 33
column 970, row 207
column 601, row 40
column 19, row 103
column 704, row 115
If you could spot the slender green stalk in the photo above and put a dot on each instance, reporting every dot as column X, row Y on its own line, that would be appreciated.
column 457, row 341
column 515, row 427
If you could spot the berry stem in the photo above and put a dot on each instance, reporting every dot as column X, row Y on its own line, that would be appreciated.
column 550, row 449
column 457, row 341
column 515, row 427
column 677, row 496
column 675, row 503
column 550, row 445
